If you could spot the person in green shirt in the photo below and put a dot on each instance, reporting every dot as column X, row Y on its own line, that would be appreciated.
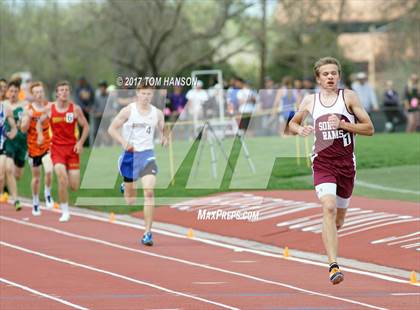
column 16, row 148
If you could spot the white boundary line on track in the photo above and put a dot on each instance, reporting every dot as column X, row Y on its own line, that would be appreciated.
column 386, row 188
column 116, row 275
column 190, row 263
column 227, row 246
column 232, row 247
column 25, row 288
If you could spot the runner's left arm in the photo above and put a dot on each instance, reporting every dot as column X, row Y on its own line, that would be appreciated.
column 161, row 128
column 363, row 126
column 26, row 119
column 13, row 128
column 44, row 116
column 81, row 119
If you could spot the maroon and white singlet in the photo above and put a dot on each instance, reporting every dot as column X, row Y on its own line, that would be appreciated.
column 333, row 151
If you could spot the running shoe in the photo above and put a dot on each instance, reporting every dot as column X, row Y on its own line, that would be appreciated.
column 122, row 188
column 4, row 197
column 18, row 207
column 49, row 202
column 147, row 239
column 336, row 276
column 65, row 217
column 36, row 210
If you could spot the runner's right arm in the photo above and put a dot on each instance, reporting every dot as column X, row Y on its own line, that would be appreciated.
column 295, row 123
column 114, row 129
column 44, row 116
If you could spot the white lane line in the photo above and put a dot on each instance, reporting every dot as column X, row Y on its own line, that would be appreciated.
column 307, row 218
column 386, row 188
column 28, row 289
column 377, row 226
column 405, row 294
column 393, row 238
column 113, row 274
column 205, row 241
column 376, row 219
column 404, row 241
column 206, row 266
column 319, row 219
column 409, row 246
column 243, row 261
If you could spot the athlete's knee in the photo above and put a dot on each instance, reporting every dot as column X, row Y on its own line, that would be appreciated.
column 63, row 180
column 36, row 180
column 74, row 187
column 330, row 209
column 10, row 170
column 130, row 200
column 148, row 193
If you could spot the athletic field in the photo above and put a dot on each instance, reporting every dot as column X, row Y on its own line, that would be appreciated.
column 388, row 167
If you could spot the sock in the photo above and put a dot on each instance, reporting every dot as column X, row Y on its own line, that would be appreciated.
column 35, row 200
column 333, row 265
column 64, row 207
column 47, row 191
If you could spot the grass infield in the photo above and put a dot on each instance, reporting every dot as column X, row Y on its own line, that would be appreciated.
column 384, row 160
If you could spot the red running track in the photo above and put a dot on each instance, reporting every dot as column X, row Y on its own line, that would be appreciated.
column 358, row 239
column 95, row 264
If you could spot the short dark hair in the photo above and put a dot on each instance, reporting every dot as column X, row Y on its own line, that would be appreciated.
column 15, row 83
column 103, row 84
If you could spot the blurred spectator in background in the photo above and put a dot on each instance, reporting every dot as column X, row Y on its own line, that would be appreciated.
column 177, row 102
column 121, row 97
column 247, row 98
column 285, row 105
column 365, row 93
column 85, row 97
column 216, row 97
column 308, row 86
column 411, row 102
column 392, row 107
column 3, row 89
column 196, row 97
column 267, row 97
column 103, row 114
column 297, row 88
column 160, row 98
column 232, row 95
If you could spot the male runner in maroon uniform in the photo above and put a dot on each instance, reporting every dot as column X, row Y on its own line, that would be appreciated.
column 65, row 148
column 338, row 116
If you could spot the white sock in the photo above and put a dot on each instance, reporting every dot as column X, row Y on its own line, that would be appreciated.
column 35, row 200
column 47, row 191
column 64, row 207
